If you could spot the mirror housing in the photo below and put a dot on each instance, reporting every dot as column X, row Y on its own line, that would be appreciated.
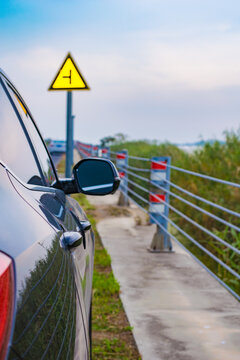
column 94, row 176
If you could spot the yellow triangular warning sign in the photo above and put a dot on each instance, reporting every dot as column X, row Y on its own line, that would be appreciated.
column 69, row 77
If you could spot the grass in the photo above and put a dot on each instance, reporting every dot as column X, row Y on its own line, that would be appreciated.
column 61, row 165
column 112, row 335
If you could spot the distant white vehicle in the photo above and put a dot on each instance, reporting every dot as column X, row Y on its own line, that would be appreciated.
column 57, row 146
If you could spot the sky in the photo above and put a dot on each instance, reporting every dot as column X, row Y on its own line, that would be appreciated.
column 166, row 70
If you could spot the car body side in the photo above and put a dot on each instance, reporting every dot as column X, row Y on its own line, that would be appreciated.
column 52, row 284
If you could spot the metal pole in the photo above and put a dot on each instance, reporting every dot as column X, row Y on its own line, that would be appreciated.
column 69, row 148
column 73, row 145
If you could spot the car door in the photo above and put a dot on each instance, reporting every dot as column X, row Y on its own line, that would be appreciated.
column 55, row 200
column 51, row 311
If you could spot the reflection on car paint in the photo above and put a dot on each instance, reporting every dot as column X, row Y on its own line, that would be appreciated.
column 46, row 308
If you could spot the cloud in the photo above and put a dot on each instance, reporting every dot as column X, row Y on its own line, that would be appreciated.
column 200, row 63
column 160, row 77
column 149, row 62
column 142, row 61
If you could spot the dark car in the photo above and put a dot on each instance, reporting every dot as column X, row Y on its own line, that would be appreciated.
column 46, row 241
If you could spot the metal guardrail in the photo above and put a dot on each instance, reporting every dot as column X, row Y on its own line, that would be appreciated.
column 86, row 150
column 150, row 188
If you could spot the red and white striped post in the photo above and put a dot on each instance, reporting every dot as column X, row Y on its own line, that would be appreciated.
column 95, row 150
column 122, row 163
column 105, row 152
column 121, row 174
column 159, row 200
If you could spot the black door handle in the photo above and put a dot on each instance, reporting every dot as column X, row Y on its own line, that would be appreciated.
column 70, row 239
column 84, row 225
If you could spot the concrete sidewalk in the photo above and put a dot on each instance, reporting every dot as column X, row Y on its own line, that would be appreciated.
column 177, row 310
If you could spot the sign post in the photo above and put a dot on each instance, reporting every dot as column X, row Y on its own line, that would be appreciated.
column 69, row 78
column 69, row 147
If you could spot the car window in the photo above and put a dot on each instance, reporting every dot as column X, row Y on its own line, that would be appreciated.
column 15, row 150
column 39, row 147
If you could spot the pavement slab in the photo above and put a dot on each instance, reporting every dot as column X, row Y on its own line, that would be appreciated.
column 177, row 310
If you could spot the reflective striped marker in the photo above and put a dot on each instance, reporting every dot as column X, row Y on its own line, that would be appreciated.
column 120, row 159
column 161, row 165
column 105, row 153
column 158, row 171
column 156, row 205
column 95, row 150
column 122, row 165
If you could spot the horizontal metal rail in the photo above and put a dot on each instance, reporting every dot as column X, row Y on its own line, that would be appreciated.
column 210, row 233
column 233, row 272
column 83, row 150
column 215, row 217
column 138, row 196
column 204, row 176
column 189, row 252
column 231, row 212
column 138, row 176
column 138, row 169
column 226, row 182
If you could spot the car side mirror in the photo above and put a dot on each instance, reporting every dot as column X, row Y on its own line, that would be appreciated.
column 95, row 176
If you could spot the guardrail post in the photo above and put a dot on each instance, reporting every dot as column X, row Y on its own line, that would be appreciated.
column 122, row 163
column 105, row 152
column 95, row 150
column 161, row 241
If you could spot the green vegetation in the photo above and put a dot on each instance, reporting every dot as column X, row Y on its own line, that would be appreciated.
column 112, row 337
column 61, row 165
column 214, row 159
column 113, row 140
